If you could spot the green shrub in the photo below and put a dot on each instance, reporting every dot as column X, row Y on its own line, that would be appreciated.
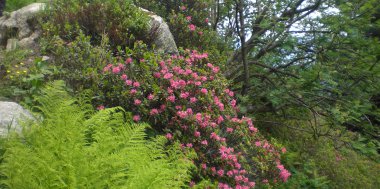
column 22, row 74
column 324, row 162
column 79, row 62
column 74, row 147
column 119, row 19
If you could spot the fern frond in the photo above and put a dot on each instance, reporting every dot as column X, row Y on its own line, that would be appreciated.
column 73, row 148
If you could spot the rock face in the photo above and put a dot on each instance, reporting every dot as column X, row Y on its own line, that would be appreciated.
column 163, row 39
column 10, row 115
column 20, row 29
column 20, row 26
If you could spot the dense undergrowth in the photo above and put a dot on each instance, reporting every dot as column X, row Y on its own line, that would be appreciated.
column 73, row 146
column 201, row 132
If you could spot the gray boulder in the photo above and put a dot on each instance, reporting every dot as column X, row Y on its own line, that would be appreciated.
column 162, row 37
column 11, row 115
column 20, row 25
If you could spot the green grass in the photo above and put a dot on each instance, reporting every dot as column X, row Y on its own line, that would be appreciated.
column 12, row 5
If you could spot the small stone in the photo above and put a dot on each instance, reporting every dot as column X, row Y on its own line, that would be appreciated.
column 12, row 44
column 11, row 115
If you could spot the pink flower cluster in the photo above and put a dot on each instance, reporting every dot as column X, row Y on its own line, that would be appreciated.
column 284, row 174
column 194, row 107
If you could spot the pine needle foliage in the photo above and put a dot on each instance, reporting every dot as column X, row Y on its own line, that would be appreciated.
column 70, row 147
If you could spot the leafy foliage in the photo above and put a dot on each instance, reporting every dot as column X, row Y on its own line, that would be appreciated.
column 23, row 74
column 119, row 19
column 71, row 146
column 319, row 163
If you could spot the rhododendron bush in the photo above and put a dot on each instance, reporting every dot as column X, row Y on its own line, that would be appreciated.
column 186, row 97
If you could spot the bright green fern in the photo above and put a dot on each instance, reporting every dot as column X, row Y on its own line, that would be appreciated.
column 75, row 148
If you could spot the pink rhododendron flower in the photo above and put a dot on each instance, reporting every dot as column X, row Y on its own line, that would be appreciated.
column 266, row 145
column 213, row 169
column 206, row 20
column 189, row 145
column 204, row 166
column 194, row 75
column 214, row 136
column 150, row 97
column 133, row 91
column 182, row 114
column 128, row 82
column 128, row 61
column 233, row 103
column 188, row 72
column 123, row 77
column 253, row 129
column 252, row 184
column 137, row 102
column 170, row 90
column 283, row 150
column 183, row 8
column 168, row 75
column 198, row 117
column 136, row 118
column 197, row 83
column 101, row 107
column 188, row 18
column 178, row 107
column 169, row 136
column 153, row 111
column 189, row 111
column 230, row 130
column 121, row 66
column 197, row 134
column 157, row 74
column 136, row 84
column 184, row 127
column 171, row 98
column 182, row 83
column 116, row 70
column 107, row 68
column 220, row 119
column 204, row 142
column 284, row 174
column 220, row 172
column 221, row 106
column 230, row 173
column 204, row 91
column 184, row 94
column 258, row 143
column 215, row 69
column 193, row 100
column 192, row 27
column 162, row 107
